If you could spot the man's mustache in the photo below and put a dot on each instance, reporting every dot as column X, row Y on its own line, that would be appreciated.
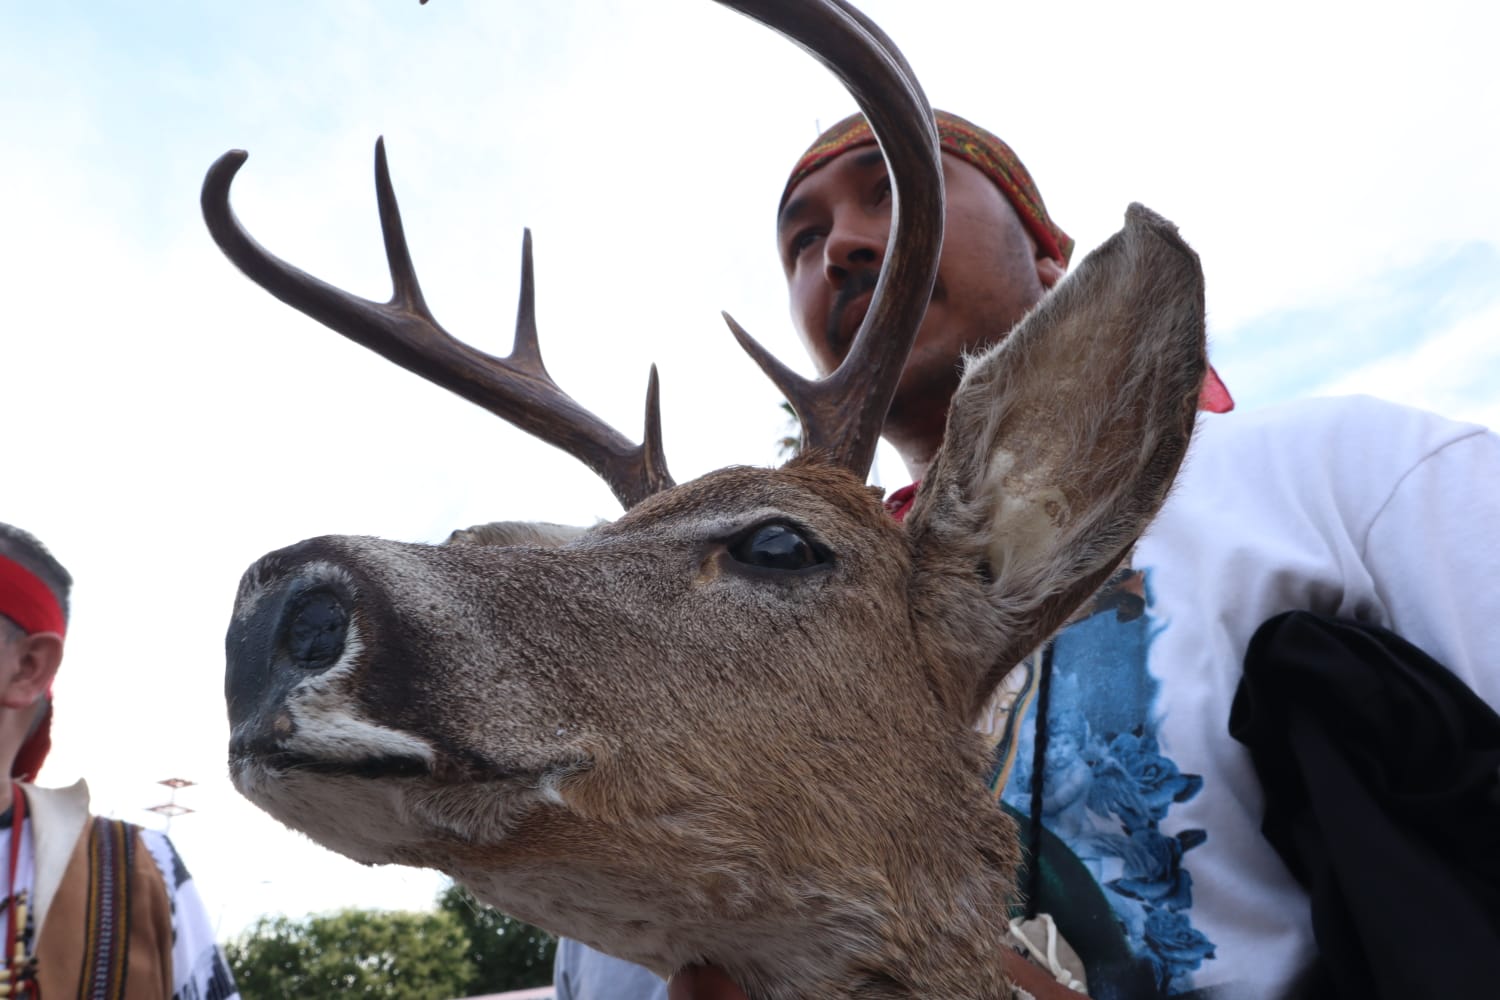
column 858, row 284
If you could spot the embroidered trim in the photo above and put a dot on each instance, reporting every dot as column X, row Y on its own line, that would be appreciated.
column 107, row 927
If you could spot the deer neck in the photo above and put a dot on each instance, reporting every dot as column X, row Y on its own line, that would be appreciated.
column 865, row 921
column 919, row 934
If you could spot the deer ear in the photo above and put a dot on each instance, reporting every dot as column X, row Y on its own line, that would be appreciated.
column 1062, row 442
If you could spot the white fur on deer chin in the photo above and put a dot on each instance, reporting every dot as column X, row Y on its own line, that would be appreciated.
column 349, row 815
column 399, row 820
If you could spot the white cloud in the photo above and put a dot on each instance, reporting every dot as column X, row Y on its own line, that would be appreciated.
column 1451, row 372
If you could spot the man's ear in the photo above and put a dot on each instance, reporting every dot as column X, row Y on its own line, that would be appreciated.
column 1050, row 271
column 37, row 658
column 1062, row 442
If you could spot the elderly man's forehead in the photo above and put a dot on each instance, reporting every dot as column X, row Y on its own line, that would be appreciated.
column 861, row 158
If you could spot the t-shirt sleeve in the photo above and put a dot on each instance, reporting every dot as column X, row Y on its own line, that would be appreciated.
column 1433, row 551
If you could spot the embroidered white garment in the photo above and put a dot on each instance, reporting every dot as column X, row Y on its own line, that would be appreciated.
column 1354, row 508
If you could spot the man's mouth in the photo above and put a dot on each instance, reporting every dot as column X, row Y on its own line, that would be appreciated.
column 849, row 309
column 852, row 304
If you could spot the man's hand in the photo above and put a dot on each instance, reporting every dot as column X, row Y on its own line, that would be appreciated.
column 702, row 982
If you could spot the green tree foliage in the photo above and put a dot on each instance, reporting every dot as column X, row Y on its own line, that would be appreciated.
column 354, row 953
column 506, row 954
column 788, row 443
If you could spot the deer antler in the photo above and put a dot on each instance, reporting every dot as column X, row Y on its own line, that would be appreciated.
column 842, row 414
column 403, row 330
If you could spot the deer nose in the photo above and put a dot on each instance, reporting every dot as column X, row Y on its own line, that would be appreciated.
column 315, row 623
column 292, row 624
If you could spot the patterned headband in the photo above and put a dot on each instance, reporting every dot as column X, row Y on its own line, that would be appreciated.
column 968, row 142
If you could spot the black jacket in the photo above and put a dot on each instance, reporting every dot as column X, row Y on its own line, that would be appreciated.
column 1383, row 797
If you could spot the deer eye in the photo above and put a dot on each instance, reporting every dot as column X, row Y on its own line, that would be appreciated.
column 776, row 546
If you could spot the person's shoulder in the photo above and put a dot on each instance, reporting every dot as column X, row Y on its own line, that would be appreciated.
column 1341, row 456
column 1333, row 411
column 173, row 872
column 1359, row 428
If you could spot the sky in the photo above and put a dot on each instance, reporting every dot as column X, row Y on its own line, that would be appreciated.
column 167, row 422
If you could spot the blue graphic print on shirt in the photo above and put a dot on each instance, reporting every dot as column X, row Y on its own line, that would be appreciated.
column 1107, row 787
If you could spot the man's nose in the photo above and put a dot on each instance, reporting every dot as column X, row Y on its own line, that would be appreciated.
column 851, row 248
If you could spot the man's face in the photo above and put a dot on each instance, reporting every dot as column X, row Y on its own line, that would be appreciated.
column 10, row 646
column 28, row 663
column 832, row 236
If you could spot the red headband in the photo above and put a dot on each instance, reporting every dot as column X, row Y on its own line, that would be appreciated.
column 27, row 601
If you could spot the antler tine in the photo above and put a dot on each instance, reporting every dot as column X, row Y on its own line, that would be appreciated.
column 527, row 349
column 653, row 456
column 843, row 413
column 404, row 286
column 633, row 476
column 403, row 330
column 792, row 385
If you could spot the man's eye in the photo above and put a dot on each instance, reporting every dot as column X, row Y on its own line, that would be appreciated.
column 801, row 242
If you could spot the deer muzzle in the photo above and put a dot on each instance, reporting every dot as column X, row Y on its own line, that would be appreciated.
column 304, row 619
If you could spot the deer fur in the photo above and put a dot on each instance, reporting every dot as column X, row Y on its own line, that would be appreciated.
column 626, row 736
